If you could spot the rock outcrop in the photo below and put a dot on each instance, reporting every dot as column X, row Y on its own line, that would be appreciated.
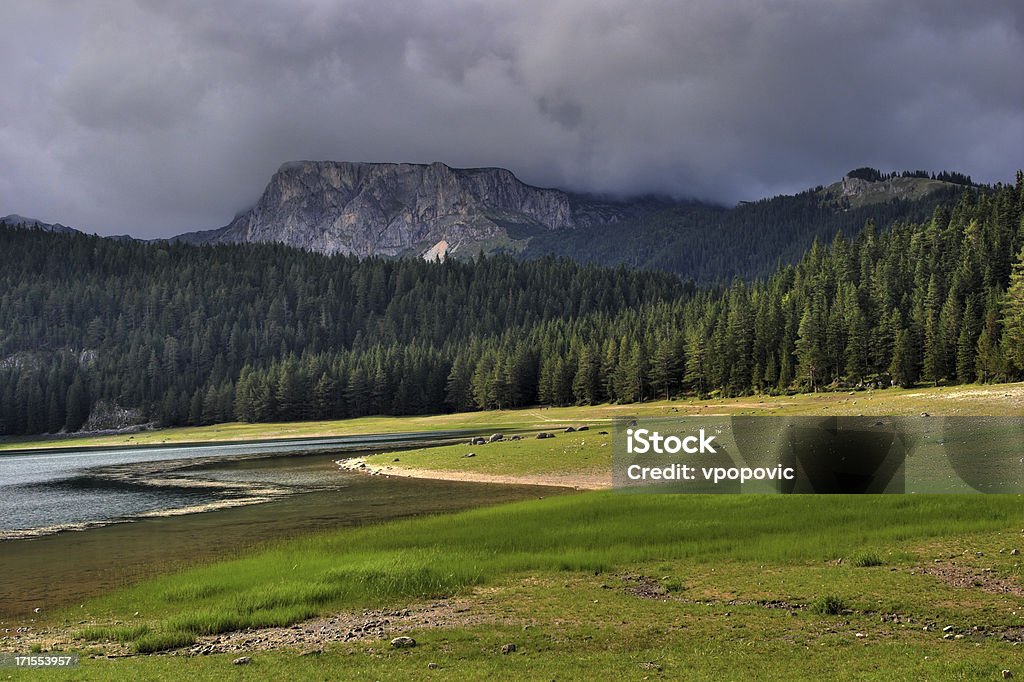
column 15, row 220
column 393, row 209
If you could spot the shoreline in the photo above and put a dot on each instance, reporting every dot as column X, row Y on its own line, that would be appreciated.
column 576, row 481
column 956, row 400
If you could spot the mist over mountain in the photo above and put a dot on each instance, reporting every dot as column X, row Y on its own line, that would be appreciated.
column 436, row 211
column 103, row 333
column 15, row 220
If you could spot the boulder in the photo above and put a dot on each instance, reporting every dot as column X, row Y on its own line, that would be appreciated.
column 569, row 429
column 544, row 434
column 508, row 649
column 495, row 438
column 403, row 642
column 583, row 428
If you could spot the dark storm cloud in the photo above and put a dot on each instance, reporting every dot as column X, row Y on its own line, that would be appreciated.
column 155, row 118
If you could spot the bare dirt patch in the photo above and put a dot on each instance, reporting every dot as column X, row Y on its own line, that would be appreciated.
column 309, row 636
column 969, row 577
column 576, row 480
column 312, row 635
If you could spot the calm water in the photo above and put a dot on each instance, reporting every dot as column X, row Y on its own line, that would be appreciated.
column 107, row 491
column 69, row 488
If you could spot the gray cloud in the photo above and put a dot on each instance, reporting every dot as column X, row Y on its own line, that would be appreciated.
column 154, row 118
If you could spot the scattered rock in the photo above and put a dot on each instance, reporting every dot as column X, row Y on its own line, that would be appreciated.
column 1014, row 552
column 1007, row 674
column 469, row 454
column 515, row 438
column 242, row 660
column 650, row 665
column 396, row 460
column 479, row 440
column 948, row 628
column 602, row 433
column 36, row 610
column 948, row 635
column 545, row 434
column 495, row 438
column 403, row 642
column 860, row 635
column 508, row 648
column 432, row 666
column 925, row 414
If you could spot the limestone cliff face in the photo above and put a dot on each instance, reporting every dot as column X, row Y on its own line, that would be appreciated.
column 392, row 209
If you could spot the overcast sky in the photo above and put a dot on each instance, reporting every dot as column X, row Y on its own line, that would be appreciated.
column 153, row 118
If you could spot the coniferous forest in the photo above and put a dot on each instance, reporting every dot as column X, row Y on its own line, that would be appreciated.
column 94, row 330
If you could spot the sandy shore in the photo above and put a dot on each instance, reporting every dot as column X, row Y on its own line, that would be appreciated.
column 575, row 480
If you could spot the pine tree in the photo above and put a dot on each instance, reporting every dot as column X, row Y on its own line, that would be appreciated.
column 903, row 368
column 1013, row 314
column 809, row 345
column 586, row 383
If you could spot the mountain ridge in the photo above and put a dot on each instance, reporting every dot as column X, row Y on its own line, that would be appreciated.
column 15, row 220
column 392, row 209
column 435, row 211
column 438, row 211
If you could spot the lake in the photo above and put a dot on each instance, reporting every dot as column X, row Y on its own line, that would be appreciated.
column 77, row 523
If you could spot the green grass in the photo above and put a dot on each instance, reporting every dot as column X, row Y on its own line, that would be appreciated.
column 582, row 452
column 867, row 560
column 591, row 534
column 692, row 649
column 114, row 633
column 829, row 605
column 164, row 641
column 780, row 587
column 999, row 399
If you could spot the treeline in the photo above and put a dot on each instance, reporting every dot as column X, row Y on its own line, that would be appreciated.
column 918, row 303
column 192, row 335
column 87, row 324
column 712, row 245
column 875, row 175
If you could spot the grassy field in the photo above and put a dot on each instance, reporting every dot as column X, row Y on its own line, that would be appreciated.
column 1000, row 399
column 594, row 585
column 602, row 584
column 579, row 454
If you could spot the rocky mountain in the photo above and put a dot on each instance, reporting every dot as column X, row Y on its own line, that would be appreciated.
column 435, row 212
column 398, row 209
column 856, row 192
column 714, row 244
column 15, row 220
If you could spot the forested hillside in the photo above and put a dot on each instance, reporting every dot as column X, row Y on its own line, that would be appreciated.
column 193, row 335
column 168, row 329
column 712, row 244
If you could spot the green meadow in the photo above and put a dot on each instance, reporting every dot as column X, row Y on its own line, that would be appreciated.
column 580, row 453
column 782, row 586
column 601, row 584
column 968, row 399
